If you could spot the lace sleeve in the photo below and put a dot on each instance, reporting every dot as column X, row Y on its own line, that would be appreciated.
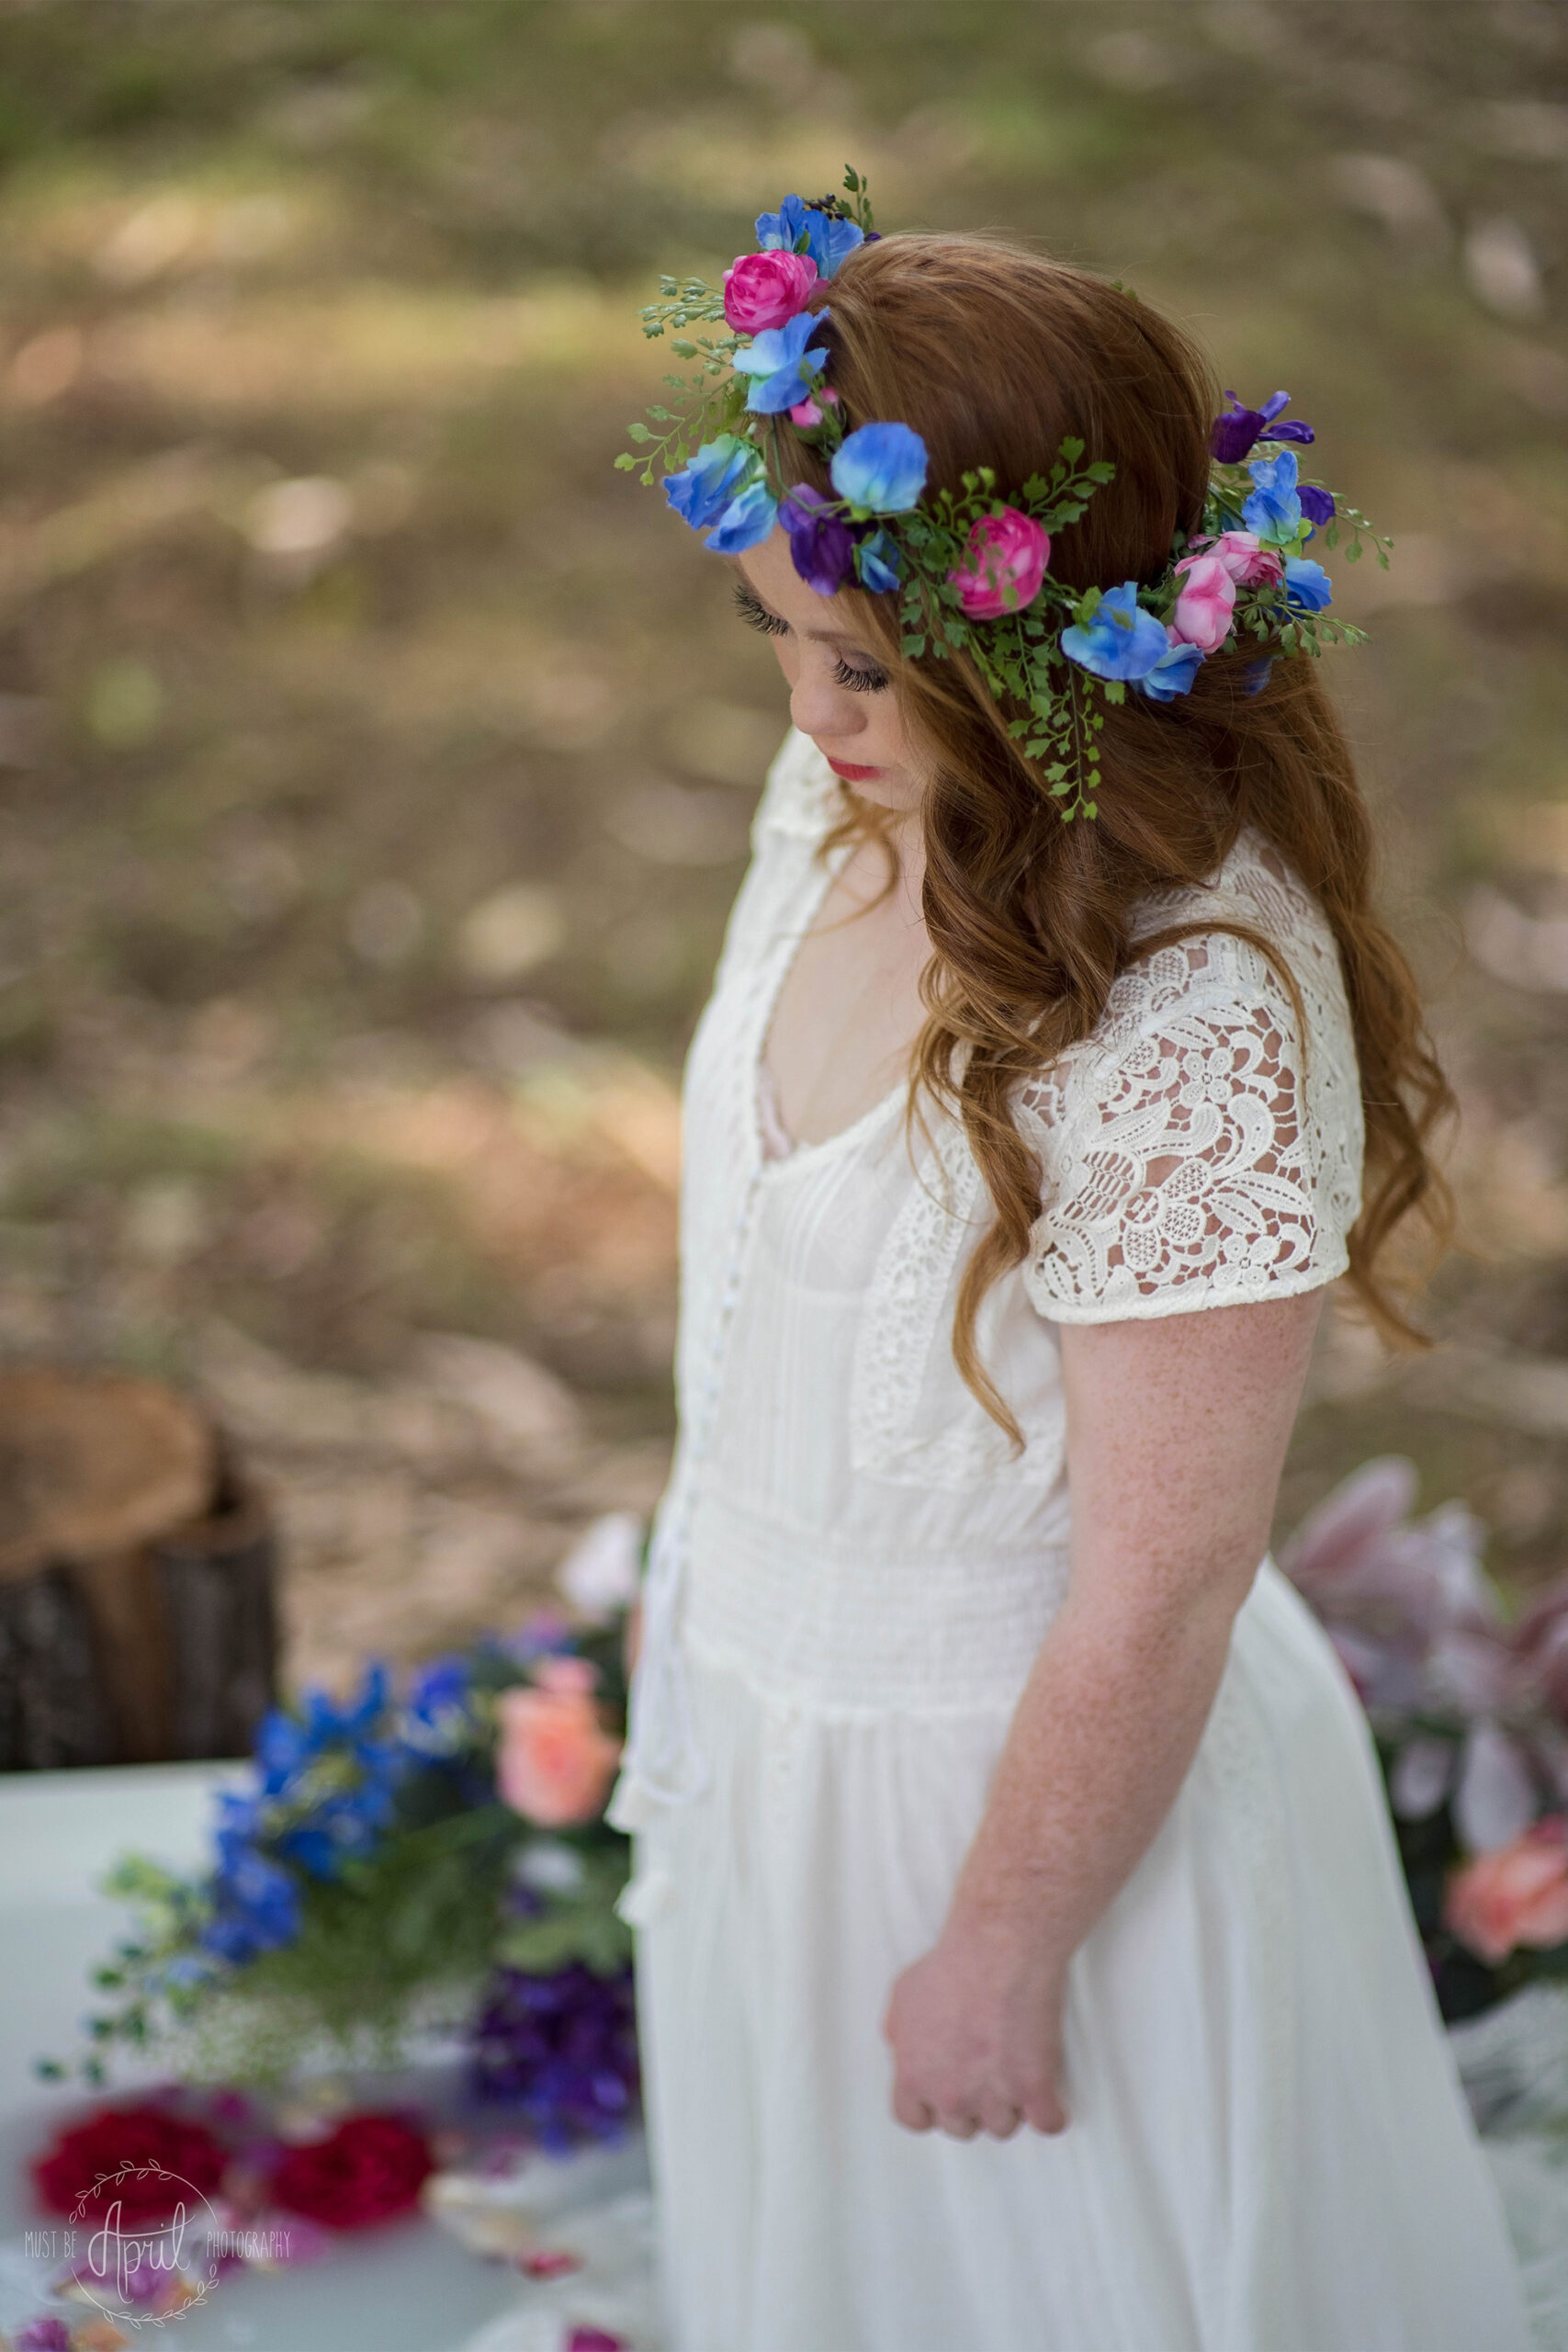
column 1191, row 1154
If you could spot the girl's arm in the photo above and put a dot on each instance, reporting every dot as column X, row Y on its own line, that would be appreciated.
column 1177, row 1432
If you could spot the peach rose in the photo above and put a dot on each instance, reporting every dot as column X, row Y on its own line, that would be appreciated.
column 556, row 1760
column 1516, row 1895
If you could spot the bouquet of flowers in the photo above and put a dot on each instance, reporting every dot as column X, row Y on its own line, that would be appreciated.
column 415, row 1857
column 1470, row 1711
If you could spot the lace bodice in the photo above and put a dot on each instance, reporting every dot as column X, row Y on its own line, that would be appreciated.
column 1197, row 1150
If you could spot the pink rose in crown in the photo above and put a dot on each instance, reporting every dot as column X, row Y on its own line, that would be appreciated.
column 766, row 291
column 1004, row 563
column 1203, row 608
column 1249, row 564
column 556, row 1760
column 1516, row 1895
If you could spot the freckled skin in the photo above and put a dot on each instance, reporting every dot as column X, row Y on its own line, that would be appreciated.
column 1172, row 1499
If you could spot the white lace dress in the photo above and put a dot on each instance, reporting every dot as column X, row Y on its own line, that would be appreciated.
column 853, row 1573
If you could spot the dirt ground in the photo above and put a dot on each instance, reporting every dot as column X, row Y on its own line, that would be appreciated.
column 375, row 763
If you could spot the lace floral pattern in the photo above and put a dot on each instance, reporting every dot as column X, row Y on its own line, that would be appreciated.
column 1196, row 1151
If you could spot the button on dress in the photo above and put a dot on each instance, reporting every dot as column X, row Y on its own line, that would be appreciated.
column 851, row 1574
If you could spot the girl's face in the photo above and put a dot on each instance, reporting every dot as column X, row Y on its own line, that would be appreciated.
column 839, row 693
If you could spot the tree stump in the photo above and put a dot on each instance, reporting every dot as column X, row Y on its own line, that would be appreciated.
column 136, row 1620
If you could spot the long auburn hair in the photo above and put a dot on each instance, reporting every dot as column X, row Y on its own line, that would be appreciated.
column 993, row 355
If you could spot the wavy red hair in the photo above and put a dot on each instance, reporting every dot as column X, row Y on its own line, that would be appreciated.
column 993, row 355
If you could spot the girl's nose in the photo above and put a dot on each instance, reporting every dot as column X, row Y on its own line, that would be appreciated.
column 819, row 706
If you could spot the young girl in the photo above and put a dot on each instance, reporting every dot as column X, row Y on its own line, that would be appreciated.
column 1023, row 1960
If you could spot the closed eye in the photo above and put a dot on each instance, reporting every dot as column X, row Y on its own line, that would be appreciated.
column 869, row 681
column 866, row 679
column 755, row 613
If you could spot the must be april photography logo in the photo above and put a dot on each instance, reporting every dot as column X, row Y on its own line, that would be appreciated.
column 142, row 2246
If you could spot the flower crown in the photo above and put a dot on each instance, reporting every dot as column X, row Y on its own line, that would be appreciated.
column 970, row 570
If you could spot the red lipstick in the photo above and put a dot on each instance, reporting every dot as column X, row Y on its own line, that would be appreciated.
column 852, row 775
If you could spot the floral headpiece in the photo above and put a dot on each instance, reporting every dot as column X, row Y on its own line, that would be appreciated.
column 970, row 570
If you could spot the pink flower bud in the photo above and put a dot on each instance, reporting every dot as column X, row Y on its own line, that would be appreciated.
column 1204, row 609
column 766, row 291
column 1003, row 565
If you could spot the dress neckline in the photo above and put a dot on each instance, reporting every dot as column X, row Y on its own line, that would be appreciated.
column 767, row 1121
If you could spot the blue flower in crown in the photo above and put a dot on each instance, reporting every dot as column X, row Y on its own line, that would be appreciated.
column 881, row 469
column 723, row 491
column 1274, row 510
column 1308, row 588
column 879, row 563
column 1173, row 673
column 780, row 363
column 1120, row 640
column 798, row 227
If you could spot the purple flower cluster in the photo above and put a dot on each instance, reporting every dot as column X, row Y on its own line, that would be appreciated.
column 561, row 2050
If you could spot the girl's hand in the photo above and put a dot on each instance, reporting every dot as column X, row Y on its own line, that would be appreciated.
column 975, row 2031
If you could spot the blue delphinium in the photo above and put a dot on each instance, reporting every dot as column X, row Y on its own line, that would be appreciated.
column 256, row 1905
column 435, row 1719
column 723, row 491
column 1274, row 511
column 1173, row 673
column 798, row 227
column 881, row 469
column 781, row 364
column 1308, row 588
column 1120, row 641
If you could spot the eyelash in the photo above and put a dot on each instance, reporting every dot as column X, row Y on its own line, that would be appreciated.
column 755, row 613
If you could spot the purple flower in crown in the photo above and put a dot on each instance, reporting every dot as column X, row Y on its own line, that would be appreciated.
column 798, row 228
column 781, row 362
column 1317, row 505
column 820, row 541
column 1237, row 430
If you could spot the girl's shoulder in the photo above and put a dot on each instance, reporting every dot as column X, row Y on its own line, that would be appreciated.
column 1256, row 891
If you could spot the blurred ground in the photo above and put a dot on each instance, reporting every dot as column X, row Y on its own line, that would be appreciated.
column 375, row 763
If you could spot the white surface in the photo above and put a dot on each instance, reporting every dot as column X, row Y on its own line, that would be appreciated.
column 406, row 2287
